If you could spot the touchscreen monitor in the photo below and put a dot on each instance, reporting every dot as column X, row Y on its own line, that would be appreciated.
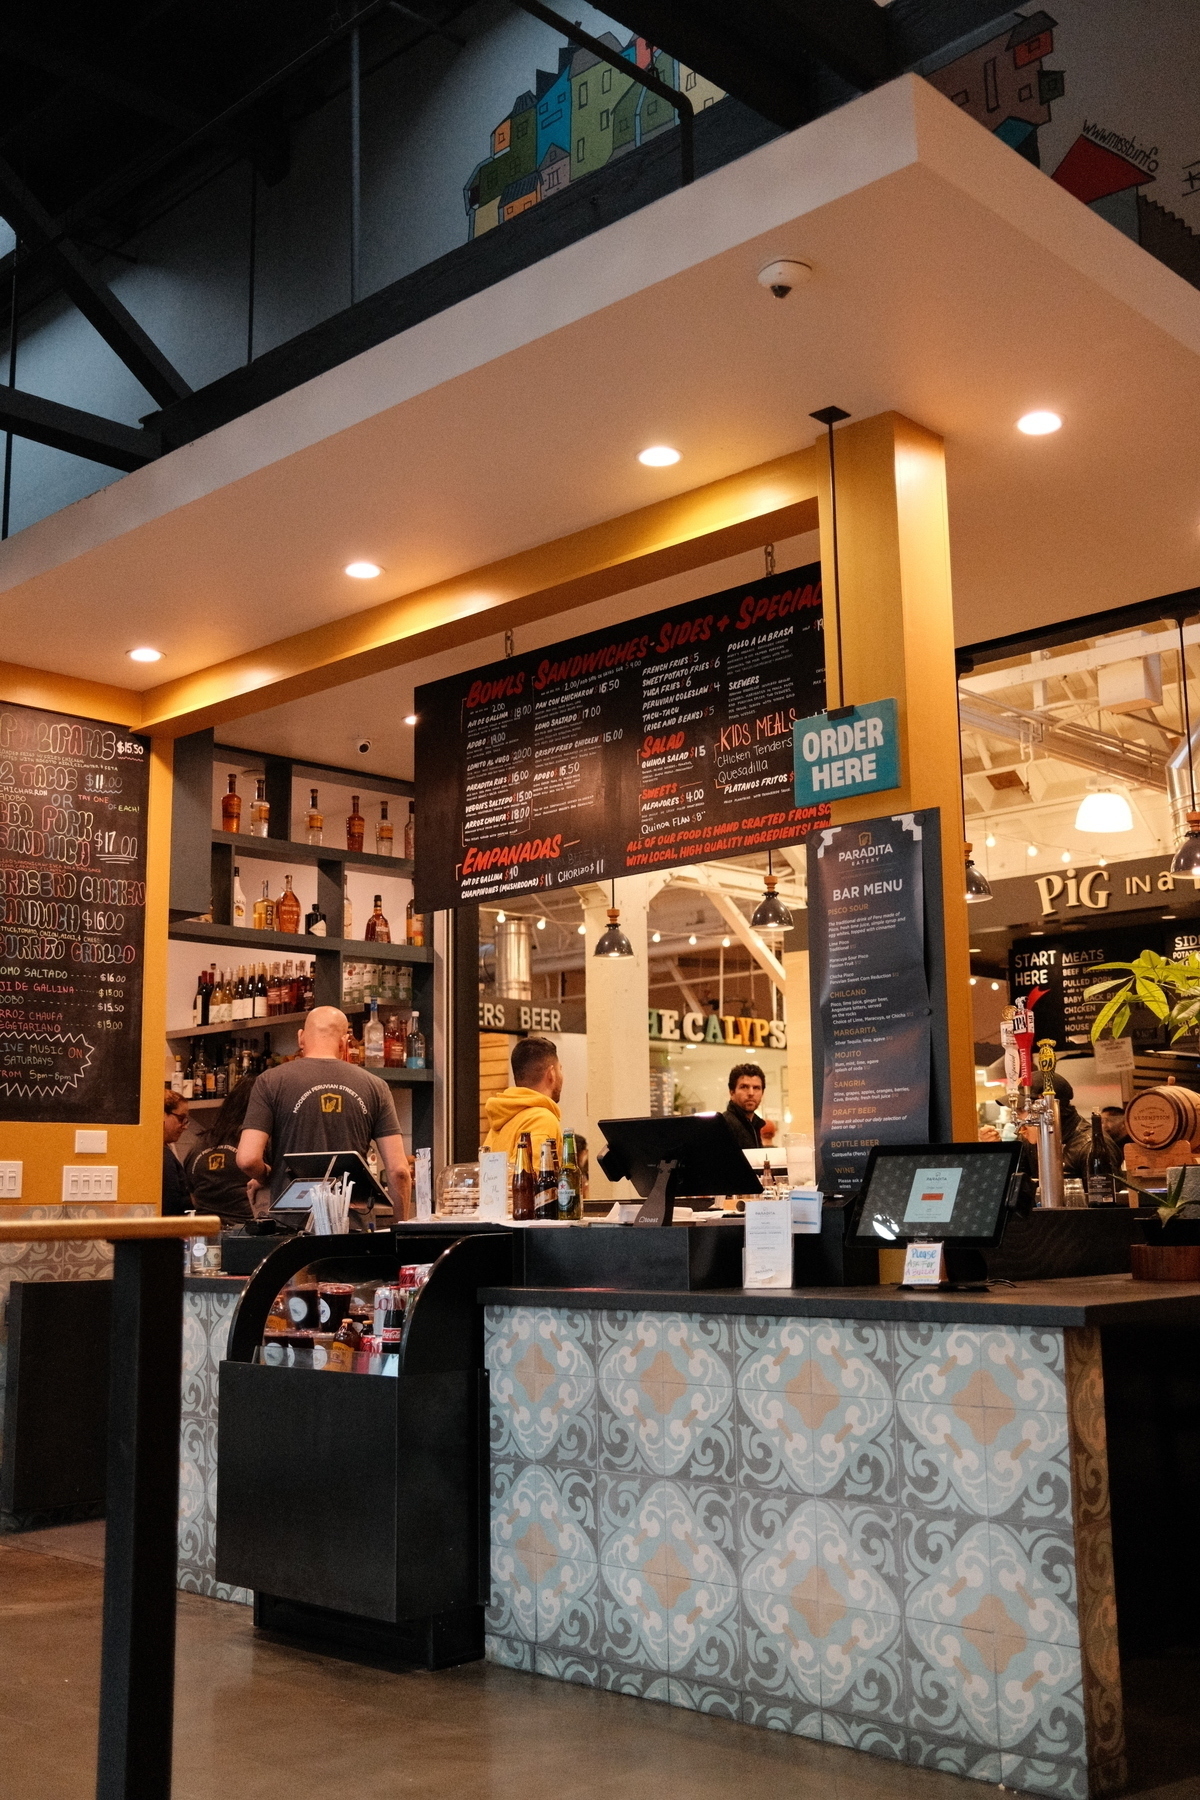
column 953, row 1192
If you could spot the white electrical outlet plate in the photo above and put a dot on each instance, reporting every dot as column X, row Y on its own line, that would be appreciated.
column 91, row 1143
column 95, row 1182
column 10, row 1180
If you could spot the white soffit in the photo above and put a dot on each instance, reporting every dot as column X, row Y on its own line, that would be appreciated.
column 953, row 283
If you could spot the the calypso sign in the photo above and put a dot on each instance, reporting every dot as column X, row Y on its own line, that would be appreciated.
column 710, row 1028
column 853, row 750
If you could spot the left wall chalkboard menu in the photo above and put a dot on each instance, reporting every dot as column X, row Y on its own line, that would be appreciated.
column 73, row 798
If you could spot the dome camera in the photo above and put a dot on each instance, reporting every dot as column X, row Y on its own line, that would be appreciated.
column 364, row 746
column 784, row 275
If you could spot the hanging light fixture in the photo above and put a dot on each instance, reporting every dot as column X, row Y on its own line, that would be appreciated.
column 613, row 941
column 1103, row 811
column 771, row 914
column 1186, row 860
column 976, row 886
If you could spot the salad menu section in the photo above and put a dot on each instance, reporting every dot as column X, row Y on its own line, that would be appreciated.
column 661, row 741
column 73, row 879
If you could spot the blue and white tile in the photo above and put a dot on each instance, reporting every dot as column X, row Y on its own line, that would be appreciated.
column 780, row 1713
column 1066, row 1779
column 543, row 1385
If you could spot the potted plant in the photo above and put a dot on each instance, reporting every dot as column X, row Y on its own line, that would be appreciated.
column 1170, row 990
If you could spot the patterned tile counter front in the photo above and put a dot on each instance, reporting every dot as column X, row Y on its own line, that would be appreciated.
column 888, row 1536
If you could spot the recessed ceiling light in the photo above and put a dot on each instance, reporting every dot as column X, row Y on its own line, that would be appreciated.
column 1031, row 849
column 658, row 456
column 990, row 841
column 145, row 654
column 1066, row 856
column 656, row 937
column 541, row 924
column 724, row 943
column 501, row 917
column 363, row 571
column 692, row 938
column 582, row 930
column 410, row 718
column 1039, row 424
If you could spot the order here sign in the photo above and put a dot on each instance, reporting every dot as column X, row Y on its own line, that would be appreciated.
column 853, row 750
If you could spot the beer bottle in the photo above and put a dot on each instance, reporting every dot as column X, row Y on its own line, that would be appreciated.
column 570, row 1184
column 1101, row 1187
column 523, row 1184
column 545, row 1205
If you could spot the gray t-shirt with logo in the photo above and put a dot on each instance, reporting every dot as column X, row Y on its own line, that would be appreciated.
column 318, row 1103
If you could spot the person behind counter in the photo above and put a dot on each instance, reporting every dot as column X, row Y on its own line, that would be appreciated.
column 1076, row 1137
column 321, row 1102
column 176, row 1194
column 747, row 1085
column 218, row 1185
column 531, row 1103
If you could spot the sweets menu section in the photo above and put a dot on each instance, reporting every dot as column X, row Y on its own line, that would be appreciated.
column 73, row 877
column 654, row 743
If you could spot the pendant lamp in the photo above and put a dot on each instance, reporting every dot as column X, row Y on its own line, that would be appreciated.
column 977, row 887
column 771, row 914
column 1186, row 860
column 613, row 941
column 1103, row 811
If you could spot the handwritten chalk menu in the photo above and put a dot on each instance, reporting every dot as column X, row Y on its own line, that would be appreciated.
column 661, row 741
column 870, row 993
column 73, row 879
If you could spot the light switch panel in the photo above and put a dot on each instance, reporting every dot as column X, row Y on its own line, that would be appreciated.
column 91, row 1143
column 89, row 1184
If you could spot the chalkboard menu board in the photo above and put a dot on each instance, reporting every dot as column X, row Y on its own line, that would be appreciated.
column 73, row 877
column 662, row 741
column 1065, row 967
column 870, row 992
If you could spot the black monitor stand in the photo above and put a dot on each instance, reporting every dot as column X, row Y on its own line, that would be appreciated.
column 658, row 1208
column 690, row 1156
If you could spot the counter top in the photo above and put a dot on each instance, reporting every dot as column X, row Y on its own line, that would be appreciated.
column 214, row 1283
column 1085, row 1300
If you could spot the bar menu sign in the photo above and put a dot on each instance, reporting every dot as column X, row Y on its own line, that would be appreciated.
column 662, row 741
column 870, row 992
column 72, row 917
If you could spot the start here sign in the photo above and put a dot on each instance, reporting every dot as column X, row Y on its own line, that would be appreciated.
column 854, row 750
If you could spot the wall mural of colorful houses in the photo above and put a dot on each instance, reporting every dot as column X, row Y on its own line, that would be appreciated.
column 574, row 120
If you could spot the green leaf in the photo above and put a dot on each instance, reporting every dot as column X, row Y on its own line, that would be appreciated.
column 1151, row 995
column 1101, row 986
column 1107, row 1012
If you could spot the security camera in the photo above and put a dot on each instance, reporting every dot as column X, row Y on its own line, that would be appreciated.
column 364, row 746
column 782, row 276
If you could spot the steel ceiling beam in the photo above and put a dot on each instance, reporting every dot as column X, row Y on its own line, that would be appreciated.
column 93, row 78
column 1065, row 742
column 95, row 300
column 61, row 427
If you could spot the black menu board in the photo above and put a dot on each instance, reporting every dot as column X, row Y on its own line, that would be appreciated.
column 73, row 878
column 661, row 741
column 1065, row 967
column 870, row 992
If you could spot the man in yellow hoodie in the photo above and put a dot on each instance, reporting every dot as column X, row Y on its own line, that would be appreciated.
column 531, row 1104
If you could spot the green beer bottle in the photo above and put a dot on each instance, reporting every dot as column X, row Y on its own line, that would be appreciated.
column 570, row 1189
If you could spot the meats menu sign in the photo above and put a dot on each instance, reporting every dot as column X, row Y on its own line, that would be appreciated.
column 661, row 741
column 72, row 917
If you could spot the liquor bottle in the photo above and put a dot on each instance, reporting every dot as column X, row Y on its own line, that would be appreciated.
column 307, row 997
column 293, row 987
column 260, row 809
column 410, row 831
column 385, row 832
column 523, row 1182
column 264, row 910
column 414, row 1052
column 216, row 1003
column 188, row 1088
column 414, row 924
column 314, row 824
column 177, row 1077
column 287, row 908
column 373, row 1038
column 231, row 807
column 200, row 1003
column 260, row 992
column 239, row 899
column 356, row 827
column 545, row 1204
column 199, row 1074
column 239, row 998
column 273, row 1006
column 220, row 1081
column 1101, row 1185
column 378, row 929
column 347, row 913
column 393, row 1044
column 315, row 922
column 570, row 1182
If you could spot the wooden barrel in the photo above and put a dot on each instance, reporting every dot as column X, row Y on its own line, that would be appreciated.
column 1164, row 1115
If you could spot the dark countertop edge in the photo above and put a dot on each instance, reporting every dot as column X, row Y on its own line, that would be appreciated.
column 1096, row 1300
column 214, row 1284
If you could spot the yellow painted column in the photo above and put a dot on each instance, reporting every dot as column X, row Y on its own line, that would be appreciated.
column 898, row 641
column 799, row 1042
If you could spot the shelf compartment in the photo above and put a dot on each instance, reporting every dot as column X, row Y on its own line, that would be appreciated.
column 240, row 1028
column 283, row 850
column 193, row 931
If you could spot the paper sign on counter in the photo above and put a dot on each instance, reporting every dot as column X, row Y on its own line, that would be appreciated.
column 424, row 1184
column 493, row 1184
column 924, row 1265
column 768, row 1252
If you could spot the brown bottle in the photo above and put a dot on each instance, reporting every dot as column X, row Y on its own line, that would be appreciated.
column 378, row 929
column 356, row 827
column 524, row 1182
column 414, row 925
column 287, row 908
column 546, row 1184
column 347, row 1340
column 231, row 807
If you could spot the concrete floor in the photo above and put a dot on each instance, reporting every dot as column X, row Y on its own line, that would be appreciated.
column 260, row 1721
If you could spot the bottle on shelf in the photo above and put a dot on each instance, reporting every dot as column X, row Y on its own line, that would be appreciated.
column 414, row 1046
column 260, row 809
column 177, row 1076
column 287, row 908
column 220, row 1080
column 355, row 1051
column 260, row 992
column 274, row 1008
column 385, row 832
column 1101, row 1183
column 231, row 807
column 239, row 899
column 199, row 1074
column 264, row 910
column 373, row 1038
column 314, row 824
column 315, row 922
column 410, row 831
column 523, row 1179
column 570, row 1181
column 200, row 1002
column 347, row 912
column 307, row 996
column 545, row 1203
column 414, row 925
column 239, row 998
column 356, row 827
column 393, row 1044
column 378, row 929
